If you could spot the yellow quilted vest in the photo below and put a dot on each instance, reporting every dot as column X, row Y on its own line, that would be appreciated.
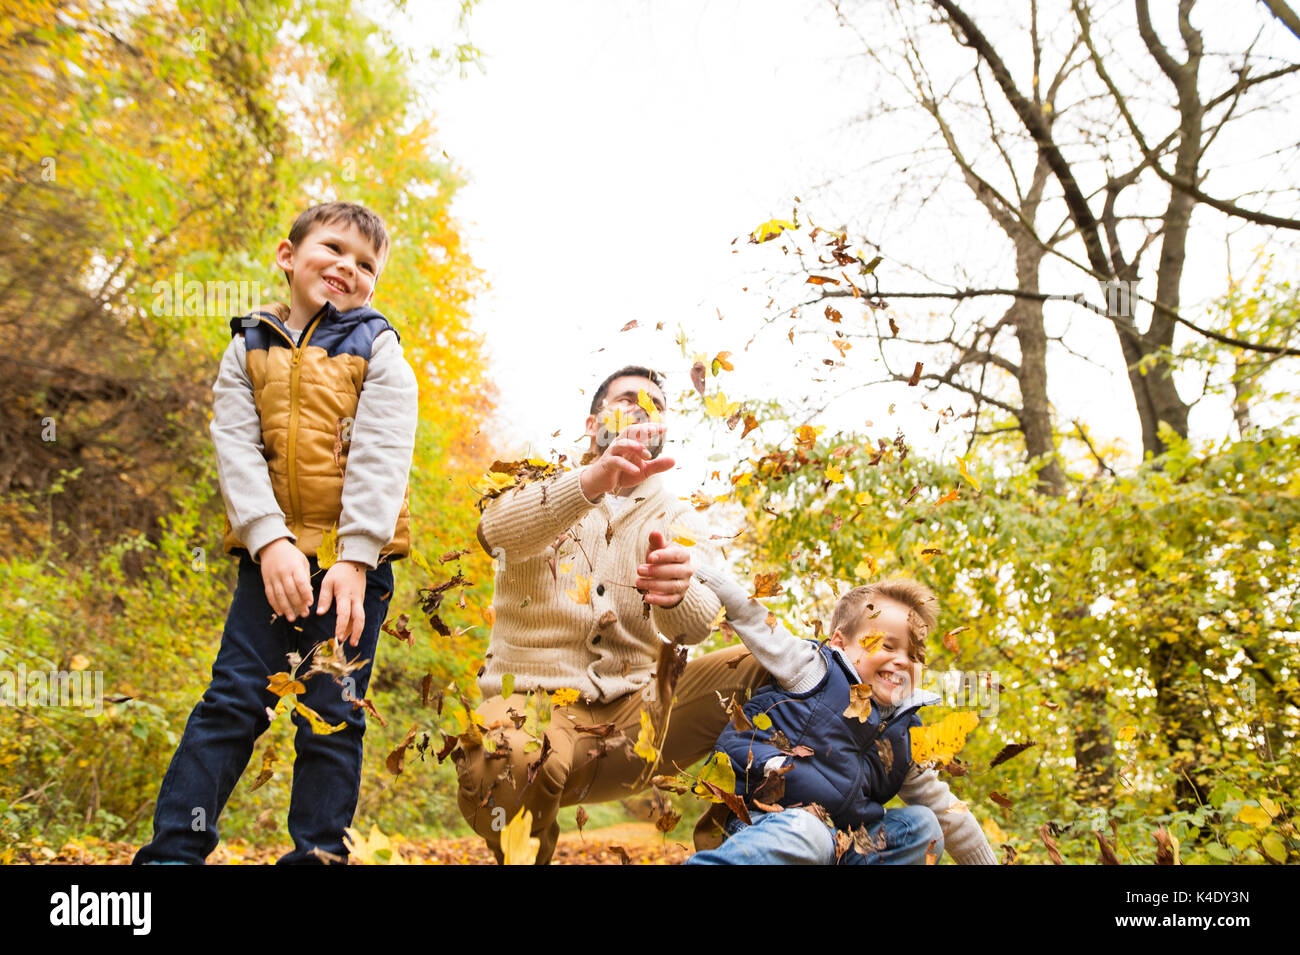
column 306, row 398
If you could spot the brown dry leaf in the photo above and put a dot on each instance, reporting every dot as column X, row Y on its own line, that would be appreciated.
column 426, row 688
column 580, row 817
column 751, row 423
column 767, row 585
column 629, row 326
column 698, row 379
column 859, row 702
column 771, row 621
column 931, row 857
column 672, row 661
column 916, row 375
column 833, row 315
column 950, row 638
column 821, row 280
column 623, row 857
column 885, row 749
column 398, row 756
column 1004, row 801
column 282, row 684
column 893, row 327
column 594, row 729
column 607, row 619
column 452, row 555
column 1107, row 847
column 1010, row 751
column 668, row 821
column 1052, row 853
column 448, row 744
column 950, row 496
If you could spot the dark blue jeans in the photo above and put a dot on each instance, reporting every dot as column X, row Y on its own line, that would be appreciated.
column 225, row 725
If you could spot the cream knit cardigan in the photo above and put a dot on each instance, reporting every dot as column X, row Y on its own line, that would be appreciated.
column 567, row 613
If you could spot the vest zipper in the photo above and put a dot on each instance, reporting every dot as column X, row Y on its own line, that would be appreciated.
column 295, row 369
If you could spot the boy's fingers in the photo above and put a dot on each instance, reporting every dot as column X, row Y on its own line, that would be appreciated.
column 279, row 603
column 326, row 594
column 342, row 618
column 358, row 623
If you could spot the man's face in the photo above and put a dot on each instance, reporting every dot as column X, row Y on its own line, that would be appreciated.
column 620, row 408
column 879, row 652
column 334, row 262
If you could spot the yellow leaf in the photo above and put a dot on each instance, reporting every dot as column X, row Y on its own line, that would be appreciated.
column 327, row 554
column 805, row 435
column 1273, row 847
column 771, row 229
column 961, row 467
column 944, row 740
column 720, row 363
column 495, row 481
column 718, row 406
column 581, row 591
column 762, row 721
column 518, row 847
column 682, row 535
column 648, row 406
column 507, row 684
column 318, row 725
column 993, row 831
column 565, row 697
column 1126, row 733
column 375, row 849
column 1269, row 806
column 78, row 662
column 1254, row 816
column 618, row 419
column 645, row 740
column 862, row 497
column 719, row 772
column 282, row 684
column 834, row 474
column 867, row 568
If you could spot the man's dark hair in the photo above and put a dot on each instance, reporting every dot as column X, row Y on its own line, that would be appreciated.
column 366, row 222
column 634, row 370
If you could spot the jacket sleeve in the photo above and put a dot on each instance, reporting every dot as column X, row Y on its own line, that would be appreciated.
column 963, row 838
column 379, row 457
column 795, row 664
column 522, row 523
column 255, row 515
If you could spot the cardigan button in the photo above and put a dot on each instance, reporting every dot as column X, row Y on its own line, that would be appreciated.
column 595, row 640
column 600, row 590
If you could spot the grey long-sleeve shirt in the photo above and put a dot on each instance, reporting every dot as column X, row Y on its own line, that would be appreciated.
column 797, row 667
column 379, row 458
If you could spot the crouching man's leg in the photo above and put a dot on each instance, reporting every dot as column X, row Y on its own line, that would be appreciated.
column 494, row 787
column 793, row 837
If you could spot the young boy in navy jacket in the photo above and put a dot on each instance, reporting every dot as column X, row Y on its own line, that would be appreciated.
column 848, row 766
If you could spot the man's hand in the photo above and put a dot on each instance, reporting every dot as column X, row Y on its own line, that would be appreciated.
column 345, row 582
column 626, row 462
column 666, row 575
column 286, row 576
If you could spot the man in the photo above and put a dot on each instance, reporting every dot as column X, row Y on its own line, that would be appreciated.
column 581, row 559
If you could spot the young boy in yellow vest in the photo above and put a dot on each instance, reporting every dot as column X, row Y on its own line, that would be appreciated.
column 314, row 420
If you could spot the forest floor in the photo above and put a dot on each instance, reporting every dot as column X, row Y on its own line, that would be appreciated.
column 632, row 843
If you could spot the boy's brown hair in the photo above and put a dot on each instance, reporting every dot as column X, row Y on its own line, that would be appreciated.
column 367, row 223
column 856, row 608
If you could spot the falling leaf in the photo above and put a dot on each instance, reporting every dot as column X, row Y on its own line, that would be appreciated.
column 565, row 697
column 717, row 406
column 867, row 568
column 870, row 267
column 318, row 725
column 268, row 761
column 767, row 585
column 398, row 756
column 770, row 230
column 668, row 821
column 508, row 684
column 716, row 772
column 721, row 363
column 580, row 817
column 841, row 346
column 282, row 684
column 916, row 375
column 834, row 474
column 805, row 435
column 1107, row 849
column 893, row 327
column 821, row 280
column 629, row 326
column 750, row 424
column 697, row 377
column 833, row 315
column 327, row 553
column 581, row 591
column 518, row 847
column 78, row 662
column 375, row 849
column 1010, row 751
column 961, row 467
column 950, row 638
column 1004, row 801
column 1050, row 843
column 623, row 857
column 859, row 702
column 950, row 496
column 645, row 741
column 400, row 628
column 648, row 406
column 942, row 741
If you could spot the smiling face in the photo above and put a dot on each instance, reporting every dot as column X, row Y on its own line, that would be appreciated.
column 620, row 408
column 879, row 651
column 335, row 263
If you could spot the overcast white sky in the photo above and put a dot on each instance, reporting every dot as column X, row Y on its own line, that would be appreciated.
column 615, row 149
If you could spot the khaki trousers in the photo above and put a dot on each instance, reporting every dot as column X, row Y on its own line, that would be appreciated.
column 585, row 767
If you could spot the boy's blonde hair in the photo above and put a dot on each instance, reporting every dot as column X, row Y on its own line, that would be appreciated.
column 856, row 608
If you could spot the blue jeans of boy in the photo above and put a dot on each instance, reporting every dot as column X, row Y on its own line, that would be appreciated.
column 797, row 837
column 224, row 726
